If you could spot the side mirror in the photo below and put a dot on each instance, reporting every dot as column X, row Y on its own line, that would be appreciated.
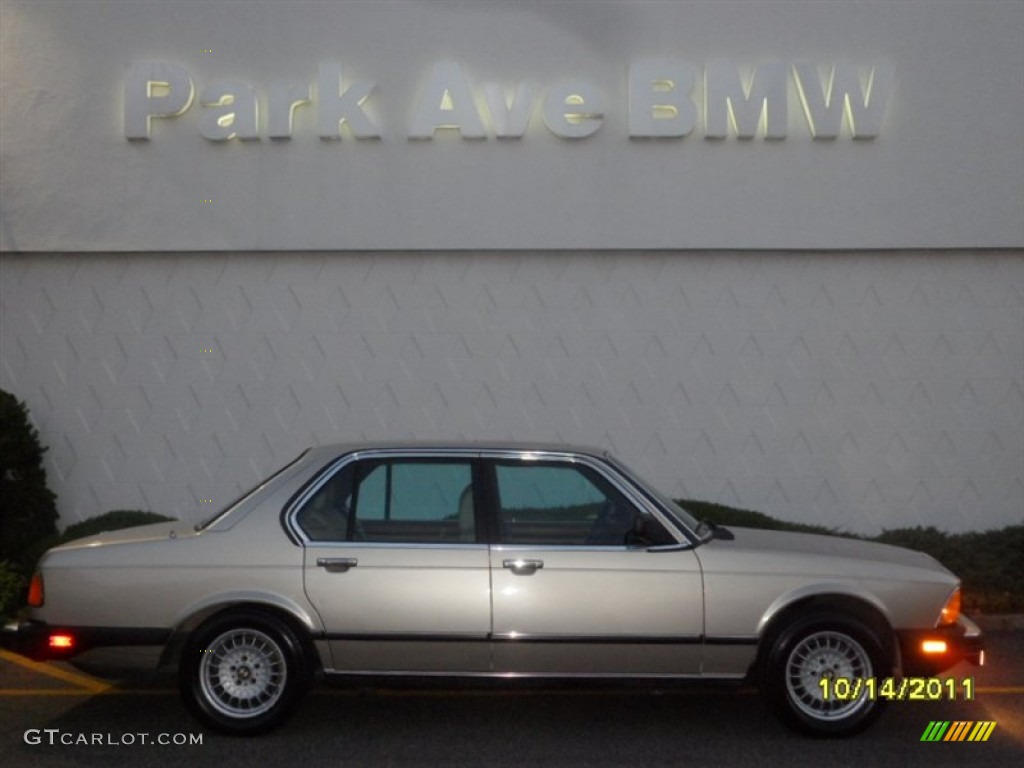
column 636, row 536
column 648, row 533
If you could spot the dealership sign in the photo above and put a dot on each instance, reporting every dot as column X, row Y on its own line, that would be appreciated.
column 668, row 98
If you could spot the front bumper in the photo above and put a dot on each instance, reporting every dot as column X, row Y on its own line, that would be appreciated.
column 35, row 639
column 964, row 641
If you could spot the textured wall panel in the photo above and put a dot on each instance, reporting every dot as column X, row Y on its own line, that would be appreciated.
column 856, row 391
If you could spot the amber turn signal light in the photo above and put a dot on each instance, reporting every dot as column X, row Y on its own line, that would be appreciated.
column 932, row 647
column 951, row 610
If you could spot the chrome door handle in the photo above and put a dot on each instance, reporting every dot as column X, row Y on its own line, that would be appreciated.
column 521, row 567
column 336, row 564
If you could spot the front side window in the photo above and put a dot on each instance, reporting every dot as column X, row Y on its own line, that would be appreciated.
column 394, row 500
column 571, row 505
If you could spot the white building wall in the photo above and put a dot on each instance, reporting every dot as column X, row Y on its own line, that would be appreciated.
column 854, row 390
column 826, row 329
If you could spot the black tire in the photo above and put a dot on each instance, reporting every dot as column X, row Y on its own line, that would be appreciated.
column 815, row 646
column 243, row 672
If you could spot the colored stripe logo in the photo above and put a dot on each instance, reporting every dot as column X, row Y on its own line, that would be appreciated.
column 958, row 730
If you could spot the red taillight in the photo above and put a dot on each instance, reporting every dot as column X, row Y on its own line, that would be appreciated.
column 35, row 591
column 62, row 642
column 932, row 647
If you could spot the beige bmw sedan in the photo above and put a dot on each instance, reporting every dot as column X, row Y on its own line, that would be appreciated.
column 495, row 561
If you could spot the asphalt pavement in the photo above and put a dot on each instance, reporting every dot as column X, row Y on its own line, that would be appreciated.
column 63, row 715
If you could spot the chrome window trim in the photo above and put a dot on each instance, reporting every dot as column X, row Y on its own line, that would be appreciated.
column 623, row 485
column 570, row 548
column 604, row 467
column 395, row 545
column 359, row 455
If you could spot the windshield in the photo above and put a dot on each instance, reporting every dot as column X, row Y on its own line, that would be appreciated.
column 700, row 529
column 249, row 493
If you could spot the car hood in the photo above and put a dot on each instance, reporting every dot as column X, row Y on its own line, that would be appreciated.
column 135, row 535
column 801, row 545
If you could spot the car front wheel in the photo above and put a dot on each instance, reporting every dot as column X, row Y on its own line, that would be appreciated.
column 243, row 673
column 830, row 648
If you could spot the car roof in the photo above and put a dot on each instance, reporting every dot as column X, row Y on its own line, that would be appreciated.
column 472, row 446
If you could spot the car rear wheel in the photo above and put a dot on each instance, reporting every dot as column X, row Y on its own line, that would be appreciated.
column 243, row 672
column 831, row 647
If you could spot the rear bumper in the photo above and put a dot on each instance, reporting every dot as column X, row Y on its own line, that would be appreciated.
column 964, row 641
column 34, row 638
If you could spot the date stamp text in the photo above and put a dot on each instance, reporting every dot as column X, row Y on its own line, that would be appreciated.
column 898, row 689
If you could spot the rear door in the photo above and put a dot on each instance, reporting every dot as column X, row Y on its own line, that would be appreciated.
column 393, row 565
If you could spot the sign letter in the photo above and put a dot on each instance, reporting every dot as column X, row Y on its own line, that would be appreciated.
column 844, row 92
column 574, row 110
column 336, row 105
column 763, row 100
column 231, row 109
column 284, row 98
column 510, row 121
column 447, row 102
column 659, row 106
column 154, row 89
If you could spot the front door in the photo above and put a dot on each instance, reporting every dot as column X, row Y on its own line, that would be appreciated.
column 585, row 582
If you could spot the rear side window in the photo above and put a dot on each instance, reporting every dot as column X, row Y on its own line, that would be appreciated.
column 394, row 500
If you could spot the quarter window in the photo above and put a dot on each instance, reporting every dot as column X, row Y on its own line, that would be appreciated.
column 325, row 516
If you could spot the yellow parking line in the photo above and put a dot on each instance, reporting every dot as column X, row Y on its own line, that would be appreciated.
column 90, row 684
column 82, row 692
column 45, row 692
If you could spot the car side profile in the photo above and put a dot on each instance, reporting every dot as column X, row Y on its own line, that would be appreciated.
column 496, row 561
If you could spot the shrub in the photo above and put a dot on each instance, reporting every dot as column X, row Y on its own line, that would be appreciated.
column 13, row 580
column 990, row 564
column 745, row 518
column 28, row 510
column 111, row 521
column 114, row 520
column 12, row 589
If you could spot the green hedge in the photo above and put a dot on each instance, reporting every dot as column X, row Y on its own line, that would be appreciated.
column 13, row 579
column 111, row 521
column 746, row 518
column 990, row 563
column 12, row 589
column 28, row 509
